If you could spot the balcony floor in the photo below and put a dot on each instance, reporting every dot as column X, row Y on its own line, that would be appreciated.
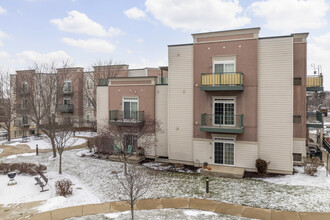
column 222, row 88
column 227, row 130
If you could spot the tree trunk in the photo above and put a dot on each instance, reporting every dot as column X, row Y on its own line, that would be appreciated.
column 60, row 165
column 8, row 133
column 132, row 210
column 54, row 147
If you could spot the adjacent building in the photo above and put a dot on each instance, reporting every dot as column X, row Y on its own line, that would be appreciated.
column 232, row 97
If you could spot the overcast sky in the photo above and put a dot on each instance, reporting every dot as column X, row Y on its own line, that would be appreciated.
column 137, row 32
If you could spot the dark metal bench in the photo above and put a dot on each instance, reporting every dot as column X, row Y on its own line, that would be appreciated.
column 41, row 184
column 25, row 139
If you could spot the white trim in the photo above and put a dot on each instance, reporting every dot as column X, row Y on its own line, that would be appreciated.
column 130, row 97
column 225, row 100
column 223, row 60
column 224, row 142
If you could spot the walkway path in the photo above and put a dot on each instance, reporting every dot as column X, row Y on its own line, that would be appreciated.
column 24, row 148
column 163, row 203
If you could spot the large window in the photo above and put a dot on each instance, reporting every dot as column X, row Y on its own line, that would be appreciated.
column 224, row 151
column 224, row 111
column 130, row 108
column 67, row 87
column 224, row 66
column 66, row 101
column 25, row 87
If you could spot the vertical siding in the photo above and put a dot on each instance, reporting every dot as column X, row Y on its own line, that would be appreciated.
column 102, row 106
column 161, row 117
column 275, row 102
column 246, row 154
column 180, row 102
column 203, row 150
column 299, row 146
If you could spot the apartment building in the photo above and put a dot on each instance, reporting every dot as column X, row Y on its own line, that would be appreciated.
column 74, row 98
column 232, row 97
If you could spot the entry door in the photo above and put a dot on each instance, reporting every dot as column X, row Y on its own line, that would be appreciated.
column 224, row 153
column 224, row 113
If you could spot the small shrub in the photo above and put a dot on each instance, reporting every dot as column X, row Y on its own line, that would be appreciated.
column 63, row 187
column 22, row 168
column 311, row 165
column 262, row 167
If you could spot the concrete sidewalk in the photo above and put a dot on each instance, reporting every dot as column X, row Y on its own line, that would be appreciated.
column 178, row 203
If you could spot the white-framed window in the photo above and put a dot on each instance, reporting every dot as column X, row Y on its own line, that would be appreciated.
column 24, row 104
column 224, row 111
column 89, row 103
column 25, row 86
column 130, row 107
column 224, row 151
column 90, row 84
column 67, row 86
column 224, row 65
column 67, row 101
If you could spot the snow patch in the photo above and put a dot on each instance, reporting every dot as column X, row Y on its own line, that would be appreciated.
column 21, row 155
column 196, row 213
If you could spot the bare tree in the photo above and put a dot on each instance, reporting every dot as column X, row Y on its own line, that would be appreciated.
column 63, row 139
column 129, row 140
column 315, row 101
column 7, row 101
column 134, row 184
column 100, row 70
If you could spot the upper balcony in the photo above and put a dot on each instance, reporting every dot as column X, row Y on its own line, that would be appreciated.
column 103, row 82
column 126, row 118
column 65, row 108
column 230, row 124
column 21, row 123
column 314, row 83
column 66, row 92
column 314, row 120
column 22, row 109
column 222, row 81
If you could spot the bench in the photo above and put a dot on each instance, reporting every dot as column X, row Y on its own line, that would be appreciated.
column 43, row 183
column 38, row 137
column 25, row 139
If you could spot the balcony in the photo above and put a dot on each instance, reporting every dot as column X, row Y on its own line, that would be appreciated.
column 222, row 81
column 66, row 93
column 64, row 108
column 314, row 83
column 230, row 124
column 126, row 118
column 21, row 123
column 103, row 82
column 20, row 109
column 314, row 120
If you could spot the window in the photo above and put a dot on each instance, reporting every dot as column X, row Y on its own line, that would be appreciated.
column 297, row 119
column 25, row 120
column 67, row 87
column 224, row 111
column 89, row 84
column 224, row 66
column 224, row 151
column 66, row 101
column 130, row 142
column 297, row 81
column 25, row 87
column 89, row 103
column 130, row 108
column 87, row 119
column 24, row 104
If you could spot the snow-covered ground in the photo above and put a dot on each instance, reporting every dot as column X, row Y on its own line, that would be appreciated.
column 166, row 214
column 44, row 143
column 98, row 177
column 300, row 179
column 26, row 191
column 21, row 155
column 85, row 134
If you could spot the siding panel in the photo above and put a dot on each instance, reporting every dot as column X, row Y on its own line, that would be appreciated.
column 161, row 117
column 180, row 103
column 275, row 102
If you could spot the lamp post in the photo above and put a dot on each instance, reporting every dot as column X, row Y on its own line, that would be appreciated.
column 37, row 149
column 207, row 193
